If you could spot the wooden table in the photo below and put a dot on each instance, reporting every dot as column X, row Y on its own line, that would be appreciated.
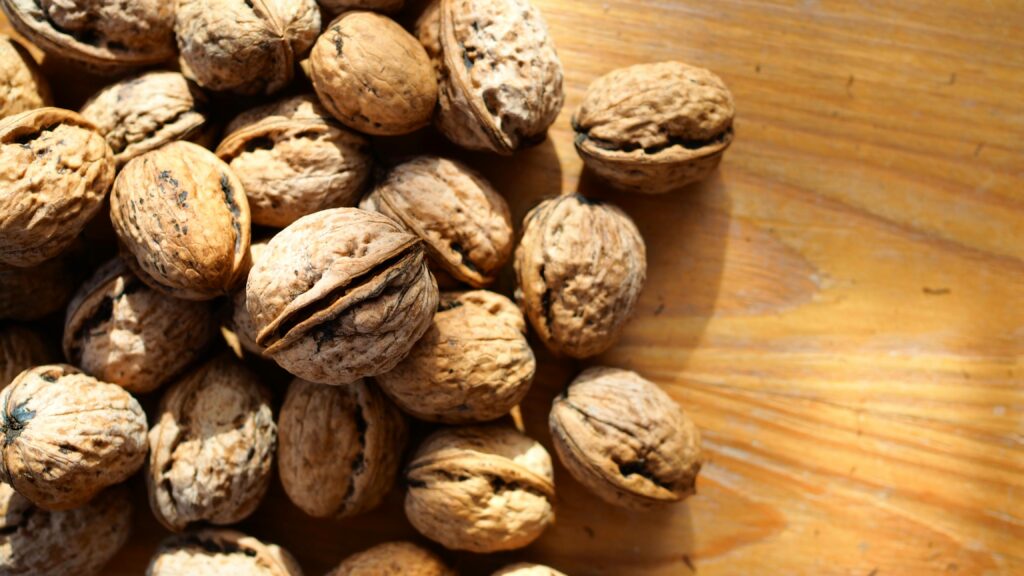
column 841, row 307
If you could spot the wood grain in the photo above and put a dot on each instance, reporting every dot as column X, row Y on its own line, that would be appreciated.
column 841, row 307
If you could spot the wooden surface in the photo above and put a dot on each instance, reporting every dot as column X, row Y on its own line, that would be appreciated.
column 841, row 307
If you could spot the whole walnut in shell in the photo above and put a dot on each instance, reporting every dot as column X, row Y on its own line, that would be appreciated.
column 372, row 75
column 341, row 294
column 580, row 267
column 625, row 439
column 499, row 77
column 22, row 84
column 55, row 170
column 473, row 364
column 20, row 349
column 393, row 559
column 482, row 489
column 524, row 569
column 653, row 128
column 182, row 217
column 68, row 436
column 293, row 159
column 464, row 223
column 124, row 332
column 220, row 553
column 79, row 541
column 240, row 322
column 31, row 293
column 340, row 447
column 212, row 446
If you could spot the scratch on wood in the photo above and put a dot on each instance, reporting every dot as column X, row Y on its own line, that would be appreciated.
column 873, row 572
column 936, row 291
column 659, row 309
column 689, row 563
column 952, row 78
column 849, row 85
column 978, row 149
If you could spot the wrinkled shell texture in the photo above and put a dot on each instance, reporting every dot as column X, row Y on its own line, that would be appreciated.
column 524, row 569
column 212, row 447
column 653, row 128
column 22, row 85
column 393, row 559
column 340, row 295
column 55, row 169
column 182, row 215
column 293, row 159
column 500, row 79
column 340, row 447
column 124, row 332
column 625, row 439
column 146, row 111
column 20, row 349
column 244, row 46
column 67, row 436
column 79, row 542
column 482, row 489
column 241, row 322
column 334, row 7
column 473, row 364
column 464, row 222
column 220, row 553
column 580, row 266
column 372, row 75
column 31, row 293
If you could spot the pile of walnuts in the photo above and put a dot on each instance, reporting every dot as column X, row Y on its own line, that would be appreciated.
column 276, row 228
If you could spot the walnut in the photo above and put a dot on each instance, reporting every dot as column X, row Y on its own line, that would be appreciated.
column 124, row 332
column 499, row 77
column 76, row 542
column 67, row 436
column 340, row 295
column 144, row 112
column 55, row 170
column 393, row 559
column 653, row 128
column 31, row 293
column 220, row 553
column 212, row 446
column 463, row 221
column 473, row 364
column 580, row 266
column 625, row 439
column 22, row 84
column 183, row 219
column 525, row 569
column 340, row 447
column 293, row 159
column 240, row 322
column 20, row 349
column 482, row 489
column 372, row 75
column 335, row 7
column 244, row 46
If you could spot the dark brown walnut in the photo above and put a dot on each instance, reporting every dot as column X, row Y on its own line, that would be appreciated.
column 220, row 553
column 76, row 542
column 67, row 436
column 525, row 569
column 653, row 128
column 499, row 77
column 244, row 46
column 31, row 293
column 212, row 447
column 341, row 294
column 335, row 7
column 481, row 489
column 464, row 223
column 293, row 159
column 240, row 322
column 580, row 267
column 55, row 170
column 22, row 84
column 122, row 331
column 144, row 112
column 393, row 559
column 625, row 439
column 340, row 447
column 20, row 349
column 372, row 75
column 473, row 364
column 183, row 220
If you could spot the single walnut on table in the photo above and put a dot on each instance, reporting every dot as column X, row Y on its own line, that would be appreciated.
column 20, row 349
column 220, row 553
column 524, row 569
column 393, row 559
column 22, row 84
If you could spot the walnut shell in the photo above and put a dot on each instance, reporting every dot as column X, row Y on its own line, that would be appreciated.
column 464, row 222
column 293, row 159
column 240, row 322
column 499, row 77
column 31, row 293
column 124, row 332
column 68, row 436
column 220, row 553
column 55, row 170
column 341, row 294
column 580, row 267
column 525, row 569
column 76, row 542
column 22, row 84
column 183, row 219
column 625, row 439
column 653, row 128
column 372, row 75
column 335, row 7
column 473, row 364
column 146, row 111
column 212, row 447
column 482, row 489
column 20, row 349
column 393, row 559
column 340, row 447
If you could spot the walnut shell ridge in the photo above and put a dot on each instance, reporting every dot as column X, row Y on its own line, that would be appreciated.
column 20, row 349
column 218, row 552
column 393, row 559
column 240, row 322
column 525, row 569
column 22, row 84
column 31, row 293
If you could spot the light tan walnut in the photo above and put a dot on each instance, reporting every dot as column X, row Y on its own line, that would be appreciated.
column 32, row 293
column 393, row 559
column 524, row 569
column 20, row 349
column 220, row 553
column 22, row 84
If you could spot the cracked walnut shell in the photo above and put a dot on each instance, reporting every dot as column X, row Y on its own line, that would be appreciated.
column 625, row 439
column 217, row 552
column 20, row 349
column 22, row 84
column 393, row 559
column 525, row 569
